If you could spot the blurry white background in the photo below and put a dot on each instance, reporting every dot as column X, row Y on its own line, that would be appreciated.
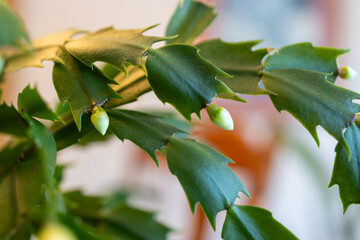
column 296, row 188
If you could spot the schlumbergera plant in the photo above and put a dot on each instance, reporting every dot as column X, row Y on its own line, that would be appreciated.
column 298, row 78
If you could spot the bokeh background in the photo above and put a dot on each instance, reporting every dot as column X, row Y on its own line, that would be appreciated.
column 276, row 158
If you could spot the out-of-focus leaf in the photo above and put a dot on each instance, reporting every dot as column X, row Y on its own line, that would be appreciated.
column 147, row 131
column 189, row 82
column 30, row 101
column 11, row 27
column 80, row 85
column 11, row 122
column 238, row 60
column 25, row 170
column 307, row 57
column 346, row 172
column 189, row 20
column 112, row 46
column 204, row 176
column 44, row 48
column 253, row 223
column 313, row 100
column 115, row 218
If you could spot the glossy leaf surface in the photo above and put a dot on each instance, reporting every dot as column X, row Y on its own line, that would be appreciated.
column 189, row 82
column 190, row 19
column 80, row 85
column 30, row 101
column 147, row 131
column 112, row 46
column 239, row 60
column 253, row 223
column 346, row 171
column 204, row 176
column 307, row 57
column 313, row 100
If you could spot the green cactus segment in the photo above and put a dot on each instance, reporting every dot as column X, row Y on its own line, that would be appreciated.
column 251, row 223
column 346, row 171
column 189, row 82
column 12, row 29
column 307, row 57
column 147, row 131
column 112, row 46
column 204, row 176
column 239, row 60
column 190, row 19
column 313, row 100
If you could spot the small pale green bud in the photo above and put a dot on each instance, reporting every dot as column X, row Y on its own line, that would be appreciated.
column 56, row 231
column 220, row 117
column 100, row 119
column 347, row 73
column 357, row 119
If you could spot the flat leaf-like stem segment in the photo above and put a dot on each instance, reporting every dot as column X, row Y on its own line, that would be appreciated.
column 190, row 19
column 189, row 81
column 307, row 57
column 44, row 48
column 346, row 172
column 30, row 101
column 11, row 122
column 112, row 46
column 204, row 176
column 24, row 175
column 147, row 131
column 313, row 100
column 112, row 216
column 12, row 29
column 80, row 85
column 238, row 60
column 253, row 223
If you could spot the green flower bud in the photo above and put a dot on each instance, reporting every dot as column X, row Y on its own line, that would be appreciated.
column 220, row 117
column 357, row 119
column 347, row 73
column 56, row 231
column 100, row 119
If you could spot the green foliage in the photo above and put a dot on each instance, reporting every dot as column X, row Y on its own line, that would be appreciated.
column 312, row 99
column 30, row 101
column 248, row 222
column 114, row 218
column 45, row 48
column 146, row 131
column 189, row 20
column 299, row 78
column 115, row 47
column 306, row 56
column 346, row 171
column 80, row 85
column 204, row 176
column 238, row 60
column 12, row 29
column 189, row 82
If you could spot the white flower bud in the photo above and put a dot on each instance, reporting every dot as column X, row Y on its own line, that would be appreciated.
column 56, row 231
column 100, row 119
column 347, row 73
column 220, row 117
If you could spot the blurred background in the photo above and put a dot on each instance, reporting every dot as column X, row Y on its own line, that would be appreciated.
column 276, row 158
